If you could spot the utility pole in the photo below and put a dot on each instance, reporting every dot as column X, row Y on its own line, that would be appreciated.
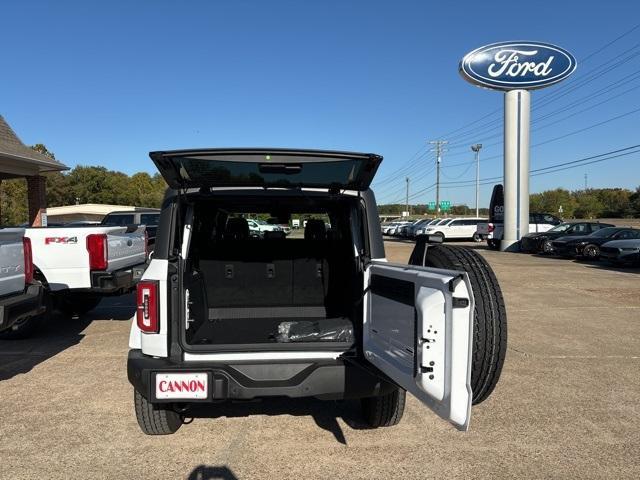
column 407, row 197
column 476, row 148
column 585, row 182
column 439, row 149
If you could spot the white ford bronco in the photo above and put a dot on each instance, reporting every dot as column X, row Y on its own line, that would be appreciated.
column 222, row 315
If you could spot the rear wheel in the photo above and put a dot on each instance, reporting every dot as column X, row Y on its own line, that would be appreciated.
column 440, row 234
column 493, row 244
column 154, row 418
column 385, row 410
column 26, row 327
column 477, row 237
column 490, row 316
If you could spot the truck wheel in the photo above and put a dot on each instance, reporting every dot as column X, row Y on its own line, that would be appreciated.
column 155, row 419
column 77, row 304
column 477, row 237
column 22, row 329
column 26, row 327
column 490, row 316
column 384, row 410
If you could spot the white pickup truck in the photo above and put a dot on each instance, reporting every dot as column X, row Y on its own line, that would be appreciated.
column 80, row 265
column 21, row 298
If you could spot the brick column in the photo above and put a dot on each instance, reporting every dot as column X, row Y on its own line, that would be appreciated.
column 37, row 195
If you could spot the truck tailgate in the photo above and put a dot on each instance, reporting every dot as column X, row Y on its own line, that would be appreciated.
column 11, row 261
column 126, row 249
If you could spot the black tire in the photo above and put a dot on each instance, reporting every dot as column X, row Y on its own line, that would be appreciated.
column 490, row 316
column 24, row 328
column 72, row 304
column 547, row 248
column 493, row 244
column 477, row 237
column 591, row 252
column 385, row 410
column 155, row 419
column 441, row 235
column 27, row 327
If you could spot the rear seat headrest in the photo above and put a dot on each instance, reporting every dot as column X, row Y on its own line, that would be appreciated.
column 237, row 229
column 269, row 235
column 315, row 230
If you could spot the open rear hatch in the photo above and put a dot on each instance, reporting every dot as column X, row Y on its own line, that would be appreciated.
column 285, row 168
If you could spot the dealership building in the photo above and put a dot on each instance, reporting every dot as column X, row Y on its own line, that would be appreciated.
column 19, row 161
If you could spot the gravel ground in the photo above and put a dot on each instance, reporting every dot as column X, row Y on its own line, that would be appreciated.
column 567, row 405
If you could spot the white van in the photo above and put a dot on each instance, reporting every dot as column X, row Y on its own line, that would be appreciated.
column 457, row 228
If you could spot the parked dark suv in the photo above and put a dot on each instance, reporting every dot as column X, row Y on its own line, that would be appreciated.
column 222, row 315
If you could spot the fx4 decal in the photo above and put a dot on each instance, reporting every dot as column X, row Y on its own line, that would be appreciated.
column 60, row 240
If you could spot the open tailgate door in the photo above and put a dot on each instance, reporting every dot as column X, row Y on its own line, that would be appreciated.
column 418, row 330
column 285, row 168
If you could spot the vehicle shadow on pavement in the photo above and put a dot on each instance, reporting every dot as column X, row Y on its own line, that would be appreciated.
column 324, row 413
column 59, row 333
column 611, row 266
column 206, row 472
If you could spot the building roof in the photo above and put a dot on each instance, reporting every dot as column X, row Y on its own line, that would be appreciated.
column 17, row 159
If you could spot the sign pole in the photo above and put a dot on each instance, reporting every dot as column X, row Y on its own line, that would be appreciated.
column 517, row 112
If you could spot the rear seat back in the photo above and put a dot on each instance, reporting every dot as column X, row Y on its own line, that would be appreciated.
column 276, row 272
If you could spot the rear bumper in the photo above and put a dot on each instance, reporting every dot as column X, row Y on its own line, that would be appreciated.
column 324, row 379
column 120, row 281
column 17, row 307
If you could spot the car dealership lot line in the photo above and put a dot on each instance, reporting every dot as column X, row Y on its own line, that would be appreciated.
column 566, row 405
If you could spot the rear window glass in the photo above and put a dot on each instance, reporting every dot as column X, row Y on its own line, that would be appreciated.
column 118, row 220
column 149, row 218
column 209, row 172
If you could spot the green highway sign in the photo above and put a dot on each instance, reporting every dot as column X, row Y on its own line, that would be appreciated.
column 445, row 205
column 432, row 205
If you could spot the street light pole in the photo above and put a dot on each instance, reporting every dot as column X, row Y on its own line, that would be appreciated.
column 476, row 148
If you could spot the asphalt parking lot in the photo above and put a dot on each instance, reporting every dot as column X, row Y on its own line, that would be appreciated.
column 567, row 405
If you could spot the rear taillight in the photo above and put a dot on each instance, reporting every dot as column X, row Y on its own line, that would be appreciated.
column 491, row 227
column 98, row 252
column 147, row 306
column 28, row 260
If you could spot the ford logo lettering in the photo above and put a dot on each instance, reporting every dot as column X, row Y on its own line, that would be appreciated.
column 517, row 65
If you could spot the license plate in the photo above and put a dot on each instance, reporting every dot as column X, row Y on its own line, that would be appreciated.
column 182, row 386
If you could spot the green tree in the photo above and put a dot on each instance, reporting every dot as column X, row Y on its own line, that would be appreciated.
column 550, row 201
column 588, row 205
column 13, row 198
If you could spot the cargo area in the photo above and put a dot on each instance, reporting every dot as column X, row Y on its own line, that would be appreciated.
column 247, row 288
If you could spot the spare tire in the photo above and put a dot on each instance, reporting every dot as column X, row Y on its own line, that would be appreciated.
column 490, row 316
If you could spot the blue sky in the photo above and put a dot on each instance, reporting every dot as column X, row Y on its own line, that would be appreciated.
column 103, row 83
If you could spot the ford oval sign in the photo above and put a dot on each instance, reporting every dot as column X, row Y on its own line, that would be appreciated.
column 517, row 65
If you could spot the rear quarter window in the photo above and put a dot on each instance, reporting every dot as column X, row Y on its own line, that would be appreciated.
column 118, row 220
column 149, row 218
